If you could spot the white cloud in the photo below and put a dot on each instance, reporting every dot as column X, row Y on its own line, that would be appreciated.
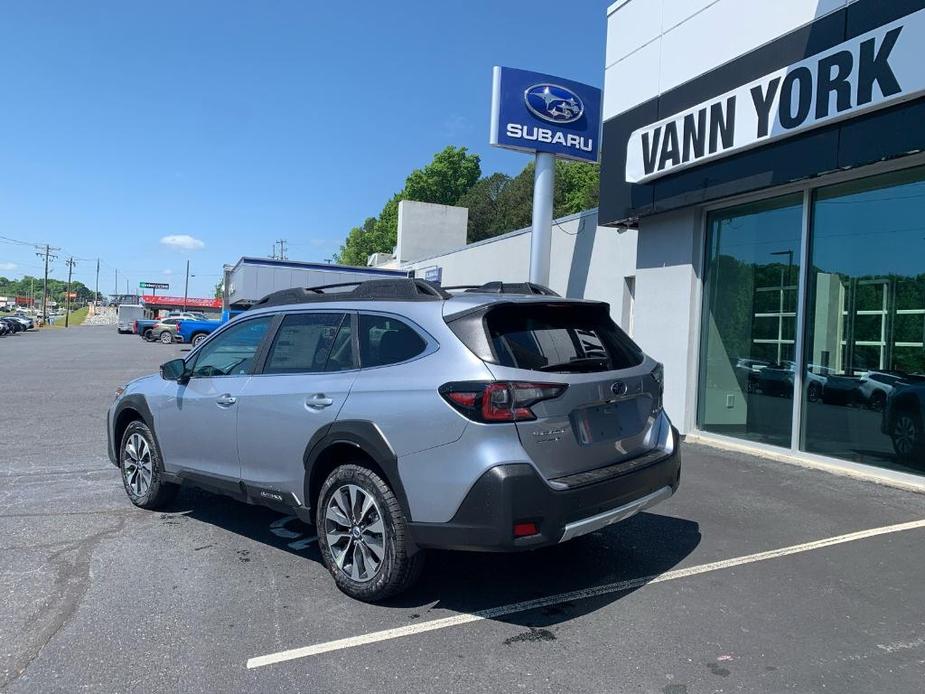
column 168, row 271
column 8, row 266
column 183, row 241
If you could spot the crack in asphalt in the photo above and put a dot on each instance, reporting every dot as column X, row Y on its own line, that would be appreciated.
column 72, row 579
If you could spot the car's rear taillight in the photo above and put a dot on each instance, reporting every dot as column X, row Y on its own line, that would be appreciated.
column 499, row 401
column 135, row 326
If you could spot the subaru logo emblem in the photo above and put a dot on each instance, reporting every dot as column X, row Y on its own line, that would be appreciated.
column 554, row 103
column 618, row 388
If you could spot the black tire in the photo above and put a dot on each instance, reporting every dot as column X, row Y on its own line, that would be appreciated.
column 198, row 339
column 908, row 436
column 166, row 338
column 159, row 492
column 146, row 335
column 401, row 565
column 813, row 392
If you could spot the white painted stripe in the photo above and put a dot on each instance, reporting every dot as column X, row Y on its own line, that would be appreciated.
column 607, row 589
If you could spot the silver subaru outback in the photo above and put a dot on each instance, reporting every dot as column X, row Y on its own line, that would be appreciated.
column 397, row 416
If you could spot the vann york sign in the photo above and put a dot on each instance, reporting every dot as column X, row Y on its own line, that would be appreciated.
column 880, row 68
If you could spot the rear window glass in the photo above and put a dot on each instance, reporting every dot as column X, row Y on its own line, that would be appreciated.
column 386, row 340
column 559, row 338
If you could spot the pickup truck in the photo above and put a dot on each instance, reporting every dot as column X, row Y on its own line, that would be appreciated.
column 143, row 327
column 193, row 332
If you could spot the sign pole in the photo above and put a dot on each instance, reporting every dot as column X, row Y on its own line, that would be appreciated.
column 544, row 178
column 186, row 286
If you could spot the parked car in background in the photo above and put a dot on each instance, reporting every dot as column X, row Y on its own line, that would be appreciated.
column 876, row 386
column 904, row 419
column 194, row 332
column 400, row 416
column 165, row 331
column 143, row 327
column 16, row 325
column 127, row 315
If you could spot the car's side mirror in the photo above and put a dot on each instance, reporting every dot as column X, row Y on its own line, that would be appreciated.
column 175, row 370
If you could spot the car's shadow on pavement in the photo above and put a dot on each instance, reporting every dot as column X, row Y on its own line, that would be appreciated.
column 633, row 551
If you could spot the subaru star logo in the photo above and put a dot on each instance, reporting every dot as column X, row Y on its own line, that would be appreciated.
column 554, row 103
column 618, row 388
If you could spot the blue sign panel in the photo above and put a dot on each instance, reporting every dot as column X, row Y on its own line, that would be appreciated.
column 533, row 112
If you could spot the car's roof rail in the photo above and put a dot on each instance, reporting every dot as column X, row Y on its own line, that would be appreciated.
column 397, row 289
column 504, row 288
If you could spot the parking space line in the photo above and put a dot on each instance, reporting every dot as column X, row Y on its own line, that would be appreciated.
column 596, row 591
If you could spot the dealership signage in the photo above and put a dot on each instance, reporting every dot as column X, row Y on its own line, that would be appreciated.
column 191, row 302
column 153, row 285
column 880, row 68
column 534, row 112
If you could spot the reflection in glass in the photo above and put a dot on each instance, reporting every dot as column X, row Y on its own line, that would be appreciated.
column 866, row 322
column 749, row 320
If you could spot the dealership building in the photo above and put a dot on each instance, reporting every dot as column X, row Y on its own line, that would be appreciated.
column 769, row 157
column 760, row 228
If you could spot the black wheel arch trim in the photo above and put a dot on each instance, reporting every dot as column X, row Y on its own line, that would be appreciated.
column 365, row 436
column 137, row 403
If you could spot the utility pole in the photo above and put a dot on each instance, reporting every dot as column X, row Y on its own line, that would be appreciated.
column 282, row 249
column 186, row 286
column 67, row 294
column 115, row 291
column 48, row 256
column 273, row 255
column 96, row 294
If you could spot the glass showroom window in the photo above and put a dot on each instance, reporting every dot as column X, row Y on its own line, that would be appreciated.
column 864, row 386
column 749, row 320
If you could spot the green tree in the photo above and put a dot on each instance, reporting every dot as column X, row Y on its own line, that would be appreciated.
column 484, row 201
column 444, row 180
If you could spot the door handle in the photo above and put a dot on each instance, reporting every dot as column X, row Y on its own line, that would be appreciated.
column 226, row 400
column 318, row 401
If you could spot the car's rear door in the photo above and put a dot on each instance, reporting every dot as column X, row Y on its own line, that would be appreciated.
column 301, row 387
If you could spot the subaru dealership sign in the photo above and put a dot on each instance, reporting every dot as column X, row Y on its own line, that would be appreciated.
column 533, row 112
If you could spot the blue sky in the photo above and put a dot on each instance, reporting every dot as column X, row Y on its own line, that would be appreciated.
column 238, row 123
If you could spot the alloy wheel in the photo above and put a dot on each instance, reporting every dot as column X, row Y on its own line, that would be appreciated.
column 905, row 435
column 166, row 338
column 137, row 465
column 355, row 532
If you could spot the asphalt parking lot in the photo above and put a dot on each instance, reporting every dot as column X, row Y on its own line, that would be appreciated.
column 215, row 596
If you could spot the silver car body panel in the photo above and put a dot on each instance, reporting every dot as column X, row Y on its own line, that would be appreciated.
column 262, row 438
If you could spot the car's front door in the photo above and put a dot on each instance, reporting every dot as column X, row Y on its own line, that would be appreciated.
column 306, row 378
column 196, row 421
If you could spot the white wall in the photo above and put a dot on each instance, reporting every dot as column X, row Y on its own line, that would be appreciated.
column 425, row 229
column 586, row 261
column 668, row 259
column 654, row 46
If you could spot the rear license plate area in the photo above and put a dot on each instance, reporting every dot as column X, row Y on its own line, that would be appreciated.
column 606, row 423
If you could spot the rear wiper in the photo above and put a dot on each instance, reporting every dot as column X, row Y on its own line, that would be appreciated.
column 577, row 364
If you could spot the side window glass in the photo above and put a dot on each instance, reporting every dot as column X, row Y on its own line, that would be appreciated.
column 341, row 357
column 232, row 353
column 306, row 342
column 385, row 340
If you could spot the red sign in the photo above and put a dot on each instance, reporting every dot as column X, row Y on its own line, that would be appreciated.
column 24, row 301
column 179, row 301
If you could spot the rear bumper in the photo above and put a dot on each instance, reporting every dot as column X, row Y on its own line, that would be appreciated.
column 516, row 493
